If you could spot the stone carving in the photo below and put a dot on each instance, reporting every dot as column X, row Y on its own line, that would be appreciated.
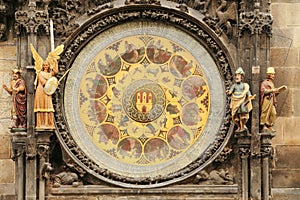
column 4, row 8
column 156, row 2
column 227, row 15
column 116, row 18
column 45, row 170
column 244, row 151
column 267, row 151
column 268, row 93
column 2, row 31
column 218, row 177
column 17, row 90
column 66, row 178
column 256, row 22
column 32, row 20
column 200, row 4
column 64, row 16
column 223, row 155
column 99, row 9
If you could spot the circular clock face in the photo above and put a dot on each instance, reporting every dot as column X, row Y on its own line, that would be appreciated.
column 144, row 100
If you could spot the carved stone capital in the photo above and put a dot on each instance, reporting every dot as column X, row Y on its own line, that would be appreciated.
column 32, row 20
column 244, row 152
column 18, row 141
column 4, row 7
column 256, row 22
column 43, row 151
column 267, row 151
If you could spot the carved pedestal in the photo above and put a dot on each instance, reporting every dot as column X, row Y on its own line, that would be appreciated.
column 44, row 166
column 244, row 141
column 18, row 140
column 266, row 155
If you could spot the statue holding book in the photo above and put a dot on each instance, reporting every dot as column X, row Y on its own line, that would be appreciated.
column 268, row 102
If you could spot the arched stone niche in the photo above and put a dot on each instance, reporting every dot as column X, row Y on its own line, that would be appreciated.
column 144, row 102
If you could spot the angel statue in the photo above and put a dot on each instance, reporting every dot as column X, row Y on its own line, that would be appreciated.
column 45, row 85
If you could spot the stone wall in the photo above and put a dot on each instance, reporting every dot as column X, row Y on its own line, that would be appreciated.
column 7, row 173
column 285, row 58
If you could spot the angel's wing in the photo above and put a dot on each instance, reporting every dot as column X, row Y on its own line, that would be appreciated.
column 38, row 60
column 54, row 56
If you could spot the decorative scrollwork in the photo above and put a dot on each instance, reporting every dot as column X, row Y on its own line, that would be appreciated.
column 156, row 2
column 223, row 155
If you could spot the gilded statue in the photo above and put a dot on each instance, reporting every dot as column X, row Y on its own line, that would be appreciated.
column 45, row 85
column 17, row 90
column 268, row 102
column 241, row 97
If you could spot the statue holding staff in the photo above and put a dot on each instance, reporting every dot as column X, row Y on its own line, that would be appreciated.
column 240, row 100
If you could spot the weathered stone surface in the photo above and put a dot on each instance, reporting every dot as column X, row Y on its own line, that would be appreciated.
column 10, row 52
column 293, row 20
column 173, row 192
column 7, row 172
column 279, row 9
column 5, row 149
column 285, row 155
column 296, row 102
column 7, row 191
column 286, row 178
column 282, row 37
column 285, row 193
column 284, row 57
column 287, row 76
column 290, row 130
column 285, row 102
column 296, row 37
column 278, row 139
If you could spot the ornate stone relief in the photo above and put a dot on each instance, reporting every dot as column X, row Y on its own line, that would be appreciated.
column 4, row 9
column 217, row 177
column 256, row 22
column 156, row 2
column 32, row 20
column 97, row 27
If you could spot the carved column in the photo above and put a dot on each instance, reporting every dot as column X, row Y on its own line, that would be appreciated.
column 44, row 167
column 18, row 140
column 244, row 141
column 31, row 167
column 267, row 155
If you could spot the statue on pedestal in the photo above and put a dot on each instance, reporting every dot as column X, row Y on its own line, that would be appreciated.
column 17, row 90
column 268, row 101
column 240, row 104
column 45, row 85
